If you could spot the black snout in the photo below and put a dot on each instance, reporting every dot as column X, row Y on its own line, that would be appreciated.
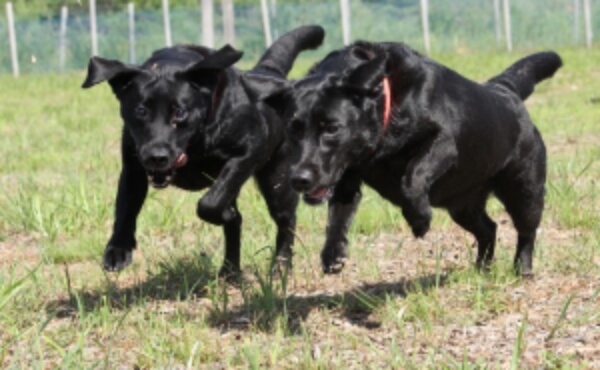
column 156, row 158
column 302, row 180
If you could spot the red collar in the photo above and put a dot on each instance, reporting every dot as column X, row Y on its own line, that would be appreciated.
column 387, row 97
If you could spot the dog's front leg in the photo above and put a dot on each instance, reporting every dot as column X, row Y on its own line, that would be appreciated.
column 133, row 187
column 218, row 206
column 421, row 172
column 342, row 208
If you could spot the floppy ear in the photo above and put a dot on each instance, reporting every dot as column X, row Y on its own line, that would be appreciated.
column 272, row 91
column 207, row 70
column 367, row 77
column 116, row 73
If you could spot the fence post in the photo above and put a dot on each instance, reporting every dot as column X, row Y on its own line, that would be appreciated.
column 497, row 22
column 62, row 49
column 167, row 22
column 274, row 16
column 12, row 39
column 266, row 23
column 208, row 27
column 507, row 25
column 93, row 28
column 425, row 25
column 345, row 9
column 576, row 26
column 131, row 13
column 228, row 21
column 587, row 11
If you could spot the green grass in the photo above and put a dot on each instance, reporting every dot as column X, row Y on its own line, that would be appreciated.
column 400, row 303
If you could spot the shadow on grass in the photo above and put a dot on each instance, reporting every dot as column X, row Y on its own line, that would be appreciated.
column 264, row 310
column 176, row 280
column 264, row 301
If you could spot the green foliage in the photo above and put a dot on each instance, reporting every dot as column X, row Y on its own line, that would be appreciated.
column 464, row 26
column 49, row 8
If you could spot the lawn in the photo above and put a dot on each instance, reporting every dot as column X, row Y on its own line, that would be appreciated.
column 399, row 303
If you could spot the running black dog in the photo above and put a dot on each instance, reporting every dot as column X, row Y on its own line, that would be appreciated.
column 421, row 135
column 189, row 122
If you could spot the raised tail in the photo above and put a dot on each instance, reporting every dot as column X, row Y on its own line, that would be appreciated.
column 522, row 76
column 280, row 56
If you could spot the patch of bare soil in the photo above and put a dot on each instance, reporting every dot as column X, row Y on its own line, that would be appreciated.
column 460, row 332
column 18, row 247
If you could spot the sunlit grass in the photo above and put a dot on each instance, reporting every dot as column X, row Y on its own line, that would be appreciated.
column 399, row 303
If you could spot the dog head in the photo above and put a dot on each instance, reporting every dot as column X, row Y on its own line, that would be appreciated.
column 165, row 101
column 333, row 122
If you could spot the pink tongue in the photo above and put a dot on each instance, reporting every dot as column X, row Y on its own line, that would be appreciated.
column 319, row 193
column 181, row 160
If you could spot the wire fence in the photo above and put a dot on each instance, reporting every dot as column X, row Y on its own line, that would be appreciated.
column 454, row 26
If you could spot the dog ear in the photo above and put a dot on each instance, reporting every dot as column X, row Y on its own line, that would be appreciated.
column 261, row 87
column 367, row 77
column 221, row 59
column 206, row 71
column 116, row 73
column 272, row 91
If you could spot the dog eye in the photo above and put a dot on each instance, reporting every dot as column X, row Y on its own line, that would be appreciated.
column 141, row 111
column 296, row 127
column 180, row 114
column 330, row 129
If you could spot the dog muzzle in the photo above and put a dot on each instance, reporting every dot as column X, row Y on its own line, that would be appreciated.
column 162, row 179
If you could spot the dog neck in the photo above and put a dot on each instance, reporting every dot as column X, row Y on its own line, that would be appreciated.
column 217, row 95
column 387, row 98
column 387, row 111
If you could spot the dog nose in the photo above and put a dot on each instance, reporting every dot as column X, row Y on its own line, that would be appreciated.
column 158, row 158
column 302, row 180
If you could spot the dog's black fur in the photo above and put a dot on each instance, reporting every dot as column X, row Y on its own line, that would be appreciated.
column 189, row 122
column 450, row 142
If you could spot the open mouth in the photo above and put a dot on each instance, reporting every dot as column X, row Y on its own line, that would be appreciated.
column 318, row 196
column 162, row 179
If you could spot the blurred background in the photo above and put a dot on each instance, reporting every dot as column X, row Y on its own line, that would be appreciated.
column 57, row 35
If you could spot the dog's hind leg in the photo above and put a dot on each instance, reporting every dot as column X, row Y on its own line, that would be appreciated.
column 525, row 210
column 342, row 208
column 521, row 189
column 473, row 218
column 132, row 191
column 282, row 201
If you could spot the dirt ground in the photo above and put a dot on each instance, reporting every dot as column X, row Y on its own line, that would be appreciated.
column 397, row 265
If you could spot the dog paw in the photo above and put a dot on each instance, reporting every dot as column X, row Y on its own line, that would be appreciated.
column 484, row 267
column 281, row 266
column 419, row 219
column 230, row 274
column 116, row 259
column 420, row 227
column 229, row 214
column 526, row 273
column 527, row 276
column 214, row 214
column 333, row 260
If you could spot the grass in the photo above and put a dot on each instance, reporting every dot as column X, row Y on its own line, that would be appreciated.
column 400, row 303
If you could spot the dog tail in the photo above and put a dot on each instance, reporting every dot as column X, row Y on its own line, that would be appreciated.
column 280, row 56
column 522, row 76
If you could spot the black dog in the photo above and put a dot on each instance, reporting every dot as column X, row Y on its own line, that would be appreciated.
column 188, row 122
column 419, row 134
